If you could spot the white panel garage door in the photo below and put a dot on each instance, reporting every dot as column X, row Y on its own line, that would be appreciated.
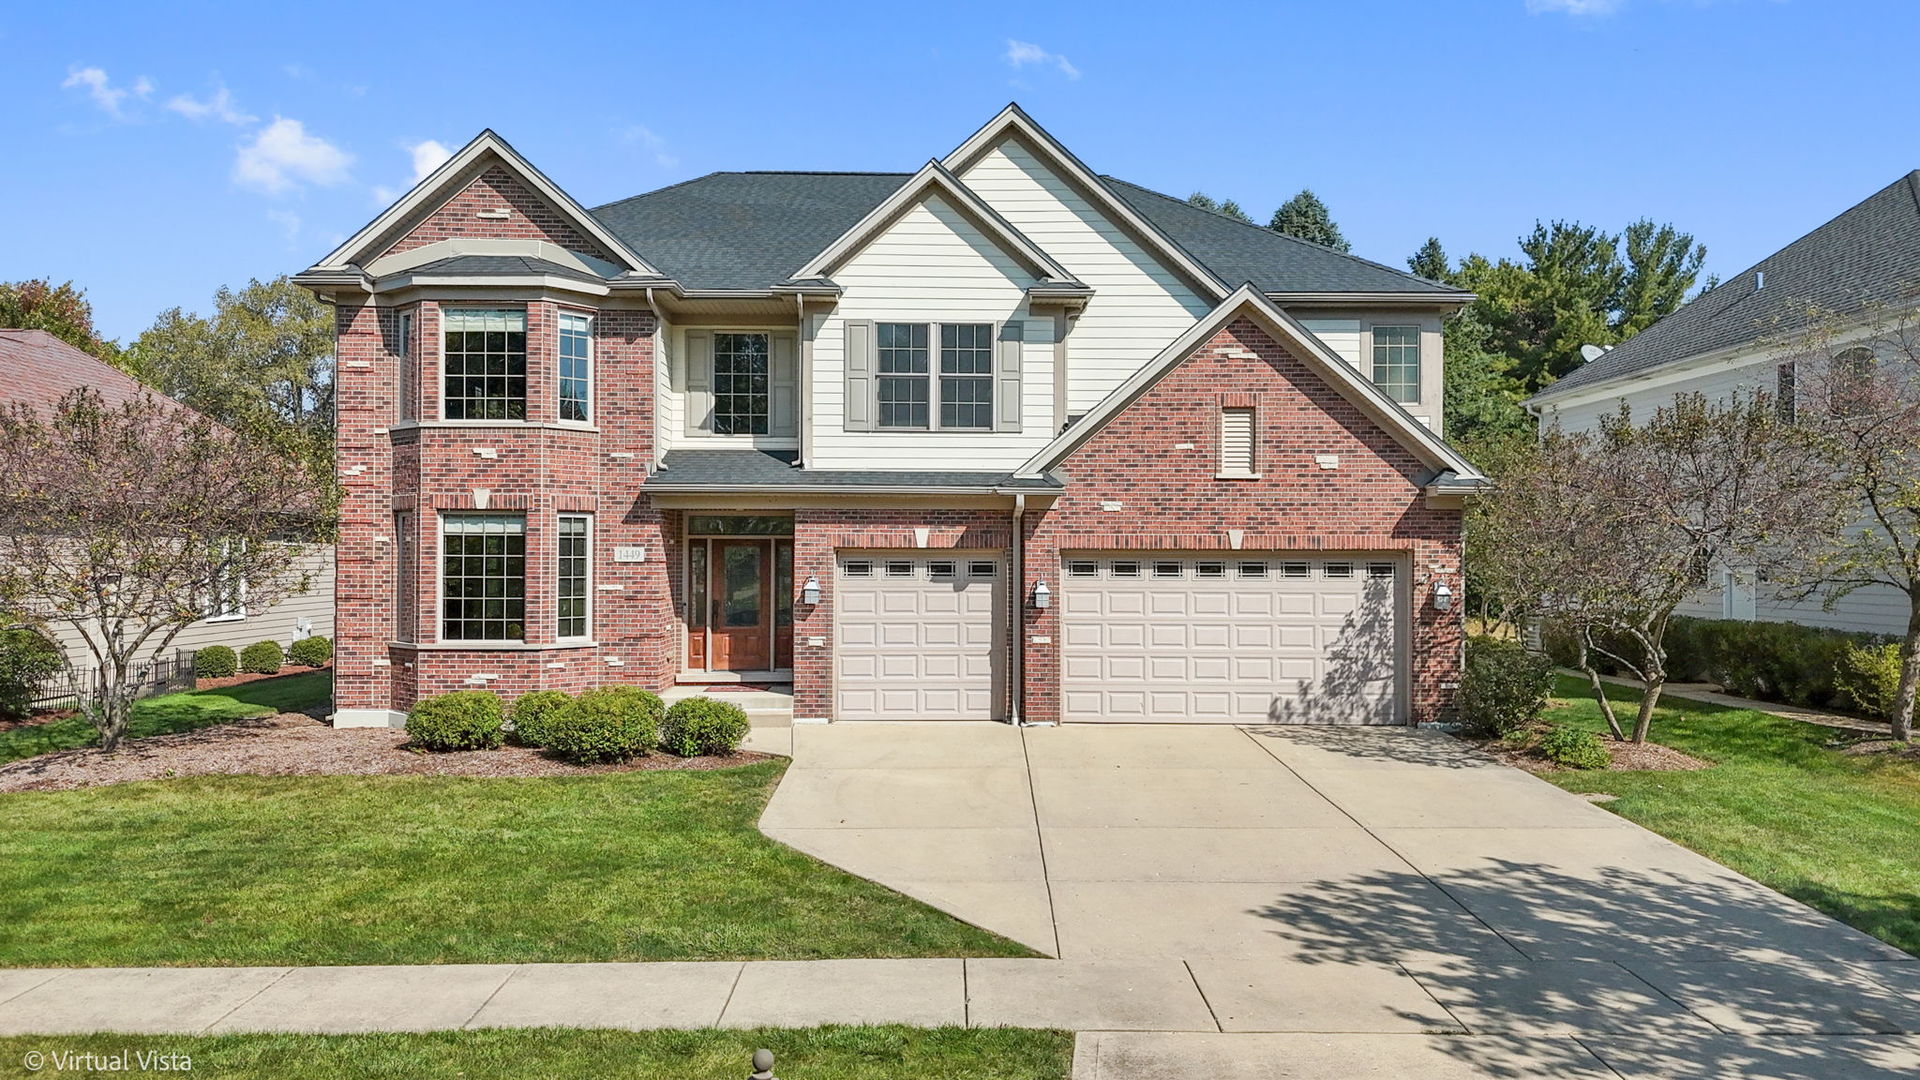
column 916, row 636
column 1178, row 638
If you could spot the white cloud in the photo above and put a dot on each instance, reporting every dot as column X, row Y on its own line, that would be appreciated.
column 283, row 156
column 644, row 137
column 384, row 195
column 101, row 89
column 1022, row 53
column 220, row 107
column 288, row 221
column 427, row 156
column 1574, row 7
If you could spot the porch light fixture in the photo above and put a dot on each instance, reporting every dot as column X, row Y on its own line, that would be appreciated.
column 810, row 592
column 1042, row 596
column 1442, row 597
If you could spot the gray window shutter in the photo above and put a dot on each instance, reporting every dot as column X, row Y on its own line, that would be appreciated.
column 859, row 367
column 1006, row 376
column 699, row 381
column 782, row 376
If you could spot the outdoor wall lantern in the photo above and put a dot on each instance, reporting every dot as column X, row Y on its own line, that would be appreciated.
column 1442, row 597
column 1042, row 596
column 810, row 592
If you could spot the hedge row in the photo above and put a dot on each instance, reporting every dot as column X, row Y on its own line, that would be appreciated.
column 260, row 658
column 1768, row 661
column 612, row 723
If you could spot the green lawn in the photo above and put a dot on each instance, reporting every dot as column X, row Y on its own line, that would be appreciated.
column 1835, row 832
column 829, row 1053
column 177, row 712
column 418, row 870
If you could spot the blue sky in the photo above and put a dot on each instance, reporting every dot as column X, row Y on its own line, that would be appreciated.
column 155, row 152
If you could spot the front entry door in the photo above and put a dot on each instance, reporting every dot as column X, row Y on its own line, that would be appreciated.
column 742, row 596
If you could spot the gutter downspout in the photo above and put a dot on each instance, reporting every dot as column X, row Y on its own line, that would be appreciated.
column 1017, row 687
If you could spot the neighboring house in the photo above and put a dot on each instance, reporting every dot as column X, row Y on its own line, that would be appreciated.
column 1730, row 338
column 997, row 439
column 40, row 369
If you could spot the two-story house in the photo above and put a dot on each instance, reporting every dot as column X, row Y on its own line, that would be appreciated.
column 999, row 439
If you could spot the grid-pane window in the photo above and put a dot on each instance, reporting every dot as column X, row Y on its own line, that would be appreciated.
column 571, row 580
column 966, row 375
column 486, row 365
column 404, row 587
column 1396, row 361
column 1784, row 401
column 903, row 384
column 739, row 384
column 576, row 353
column 483, row 577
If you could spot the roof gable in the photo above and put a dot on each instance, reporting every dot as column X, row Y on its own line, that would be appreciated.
column 1249, row 302
column 1013, row 122
column 931, row 179
column 486, row 161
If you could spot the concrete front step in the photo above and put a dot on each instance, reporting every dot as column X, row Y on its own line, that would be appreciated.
column 763, row 707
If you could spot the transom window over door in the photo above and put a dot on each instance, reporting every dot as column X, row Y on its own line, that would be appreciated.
column 1396, row 362
column 576, row 352
column 906, row 389
column 740, row 384
column 485, row 365
column 483, row 577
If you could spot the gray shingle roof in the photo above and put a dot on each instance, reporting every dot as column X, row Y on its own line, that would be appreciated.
column 774, row 468
column 500, row 265
column 749, row 230
column 1239, row 252
column 1868, row 255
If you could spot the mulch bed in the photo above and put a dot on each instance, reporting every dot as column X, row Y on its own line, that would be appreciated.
column 1909, row 751
column 1627, row 757
column 254, row 676
column 294, row 744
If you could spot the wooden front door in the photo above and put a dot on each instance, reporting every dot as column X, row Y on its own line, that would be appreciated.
column 740, row 624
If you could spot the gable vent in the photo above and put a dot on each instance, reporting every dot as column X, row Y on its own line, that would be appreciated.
column 1236, row 442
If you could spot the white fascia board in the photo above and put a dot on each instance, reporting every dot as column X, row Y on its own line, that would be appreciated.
column 1013, row 119
column 1298, row 341
column 426, row 191
column 1363, row 299
column 933, row 176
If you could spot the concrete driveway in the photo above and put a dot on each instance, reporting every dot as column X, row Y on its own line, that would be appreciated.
column 1355, row 883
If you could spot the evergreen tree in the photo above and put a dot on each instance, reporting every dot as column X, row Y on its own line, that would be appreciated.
column 1229, row 208
column 1304, row 216
column 1430, row 261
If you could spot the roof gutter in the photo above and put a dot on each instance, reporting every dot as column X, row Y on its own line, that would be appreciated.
column 843, row 489
column 1375, row 299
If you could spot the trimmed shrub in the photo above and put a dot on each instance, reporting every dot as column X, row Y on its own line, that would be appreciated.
column 532, row 712
column 214, row 662
column 613, row 723
column 262, row 658
column 1574, row 748
column 1503, row 688
column 458, row 720
column 312, row 651
column 703, row 725
column 27, row 659
column 1869, row 675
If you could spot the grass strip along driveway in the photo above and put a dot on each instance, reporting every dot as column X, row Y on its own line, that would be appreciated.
column 828, row 1053
column 169, row 713
column 1833, row 831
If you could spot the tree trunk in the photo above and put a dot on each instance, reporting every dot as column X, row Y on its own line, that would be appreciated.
column 1648, row 698
column 1903, row 702
column 1599, row 688
column 112, row 707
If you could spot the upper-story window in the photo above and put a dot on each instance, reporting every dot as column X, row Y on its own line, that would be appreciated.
column 576, row 360
column 485, row 365
column 1396, row 362
column 403, row 367
column 740, row 384
column 906, row 390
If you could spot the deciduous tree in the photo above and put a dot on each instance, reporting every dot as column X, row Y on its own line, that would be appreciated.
column 60, row 310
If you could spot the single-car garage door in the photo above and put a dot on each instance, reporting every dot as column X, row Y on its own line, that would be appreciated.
column 916, row 636
column 1173, row 638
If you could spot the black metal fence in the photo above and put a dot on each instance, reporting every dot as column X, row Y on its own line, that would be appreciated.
column 73, row 687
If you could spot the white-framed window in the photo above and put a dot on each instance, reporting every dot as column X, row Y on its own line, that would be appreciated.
column 575, row 355
column 484, row 364
column 573, row 577
column 404, row 371
column 405, row 588
column 741, row 374
column 1396, row 362
column 483, row 577
column 1785, row 391
column 227, row 594
column 908, row 393
column 1237, row 439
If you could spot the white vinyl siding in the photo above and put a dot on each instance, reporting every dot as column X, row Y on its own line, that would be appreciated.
column 931, row 266
column 1140, row 303
column 1340, row 335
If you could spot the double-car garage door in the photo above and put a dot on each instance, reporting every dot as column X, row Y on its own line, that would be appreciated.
column 1179, row 638
column 1144, row 637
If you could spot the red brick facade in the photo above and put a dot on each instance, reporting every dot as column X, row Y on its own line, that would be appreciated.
column 493, row 192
